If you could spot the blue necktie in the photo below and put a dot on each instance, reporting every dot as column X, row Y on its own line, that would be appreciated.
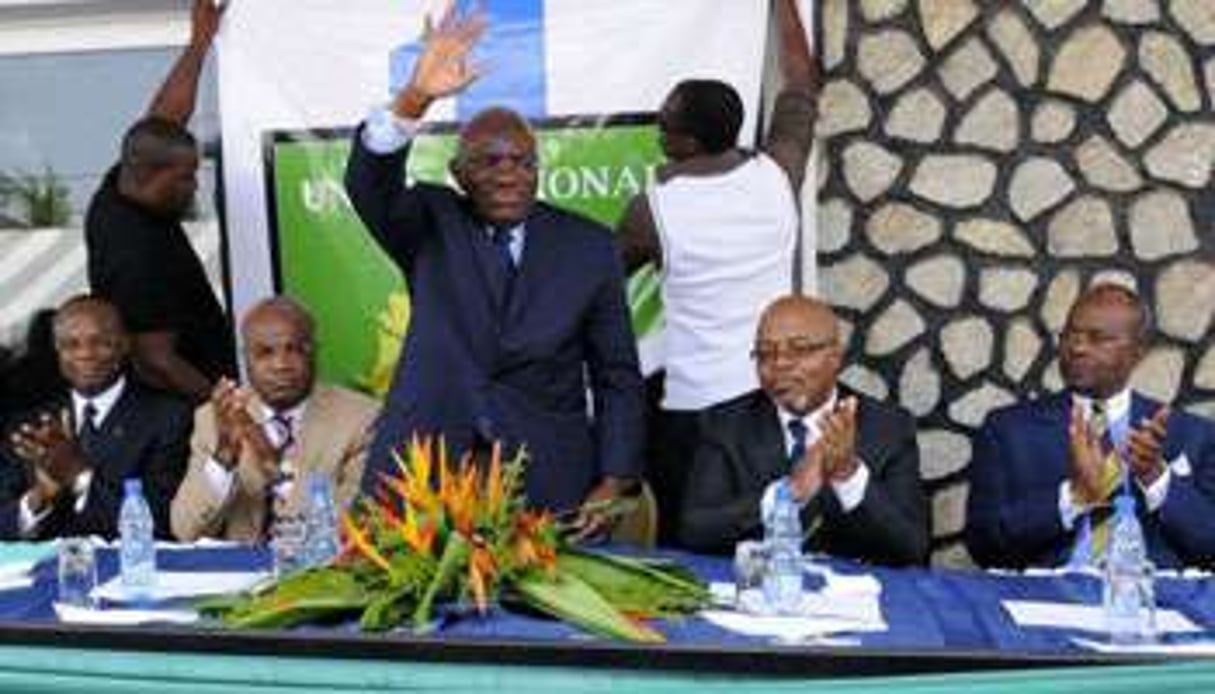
column 797, row 451
column 502, row 238
column 89, row 436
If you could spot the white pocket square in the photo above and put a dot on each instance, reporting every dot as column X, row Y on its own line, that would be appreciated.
column 1181, row 466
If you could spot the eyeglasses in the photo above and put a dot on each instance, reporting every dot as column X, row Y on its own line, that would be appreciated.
column 492, row 160
column 794, row 349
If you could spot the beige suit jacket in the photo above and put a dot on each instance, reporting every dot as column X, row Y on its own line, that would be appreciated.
column 332, row 439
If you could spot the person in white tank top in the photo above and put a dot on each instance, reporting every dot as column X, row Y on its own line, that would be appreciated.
column 722, row 224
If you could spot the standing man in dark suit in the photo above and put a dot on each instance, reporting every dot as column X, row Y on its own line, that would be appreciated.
column 518, row 308
column 1044, row 470
column 64, row 468
column 851, row 462
column 139, row 256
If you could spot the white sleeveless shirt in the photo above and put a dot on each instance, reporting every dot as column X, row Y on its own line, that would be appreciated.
column 727, row 251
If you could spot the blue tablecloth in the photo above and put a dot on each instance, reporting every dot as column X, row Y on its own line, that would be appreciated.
column 938, row 609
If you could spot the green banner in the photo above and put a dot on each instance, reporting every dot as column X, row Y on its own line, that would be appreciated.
column 326, row 259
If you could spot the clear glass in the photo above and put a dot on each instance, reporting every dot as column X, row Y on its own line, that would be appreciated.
column 77, row 572
column 750, row 565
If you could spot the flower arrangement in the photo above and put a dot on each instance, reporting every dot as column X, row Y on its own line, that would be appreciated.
column 437, row 536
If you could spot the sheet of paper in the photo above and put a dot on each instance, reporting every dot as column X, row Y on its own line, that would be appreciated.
column 71, row 614
column 15, row 582
column 838, row 607
column 174, row 585
column 1187, row 648
column 1030, row 613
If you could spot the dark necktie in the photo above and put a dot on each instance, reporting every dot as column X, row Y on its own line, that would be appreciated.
column 276, row 491
column 502, row 238
column 89, row 436
column 797, row 451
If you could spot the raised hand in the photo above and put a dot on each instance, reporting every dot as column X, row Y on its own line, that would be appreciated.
column 226, row 402
column 807, row 478
column 204, row 21
column 1145, row 447
column 1086, row 468
column 839, row 435
column 444, row 67
column 50, row 445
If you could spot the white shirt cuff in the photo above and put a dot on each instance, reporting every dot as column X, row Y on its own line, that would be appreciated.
column 27, row 520
column 851, row 492
column 80, row 489
column 1156, row 492
column 1068, row 510
column 386, row 133
column 218, row 477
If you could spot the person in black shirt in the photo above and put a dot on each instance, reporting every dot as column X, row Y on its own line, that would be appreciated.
column 138, row 255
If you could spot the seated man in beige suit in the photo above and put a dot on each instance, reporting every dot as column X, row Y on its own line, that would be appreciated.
column 252, row 450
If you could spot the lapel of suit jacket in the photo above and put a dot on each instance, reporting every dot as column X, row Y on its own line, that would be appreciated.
column 479, row 249
column 311, row 432
column 114, row 427
column 536, row 259
column 772, row 455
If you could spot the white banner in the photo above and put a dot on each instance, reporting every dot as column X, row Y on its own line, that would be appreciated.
column 297, row 64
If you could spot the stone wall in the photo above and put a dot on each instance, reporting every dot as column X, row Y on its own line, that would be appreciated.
column 983, row 161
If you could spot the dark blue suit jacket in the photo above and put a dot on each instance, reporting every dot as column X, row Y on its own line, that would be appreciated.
column 475, row 373
column 1020, row 459
column 145, row 435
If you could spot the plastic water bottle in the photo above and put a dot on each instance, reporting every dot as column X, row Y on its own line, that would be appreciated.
column 782, row 583
column 136, row 545
column 320, row 522
column 1127, row 590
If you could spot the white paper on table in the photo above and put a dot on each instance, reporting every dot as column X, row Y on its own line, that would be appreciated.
column 790, row 629
column 72, row 614
column 1204, row 647
column 14, row 582
column 174, row 585
column 840, row 585
column 855, row 608
column 1032, row 613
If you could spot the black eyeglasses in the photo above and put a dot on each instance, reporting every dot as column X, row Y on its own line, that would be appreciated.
column 794, row 349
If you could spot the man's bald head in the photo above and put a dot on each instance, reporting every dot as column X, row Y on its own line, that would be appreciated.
column 280, row 351
column 798, row 353
column 1106, row 335
column 497, row 166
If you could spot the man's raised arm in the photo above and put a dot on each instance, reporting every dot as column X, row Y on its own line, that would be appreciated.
column 792, row 132
column 176, row 98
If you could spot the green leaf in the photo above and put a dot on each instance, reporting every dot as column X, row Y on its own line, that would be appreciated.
column 451, row 564
column 571, row 599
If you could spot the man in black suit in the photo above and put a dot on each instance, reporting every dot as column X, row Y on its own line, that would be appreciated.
column 518, row 308
column 851, row 462
column 65, row 466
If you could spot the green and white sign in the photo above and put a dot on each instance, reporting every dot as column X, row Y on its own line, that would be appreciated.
column 326, row 259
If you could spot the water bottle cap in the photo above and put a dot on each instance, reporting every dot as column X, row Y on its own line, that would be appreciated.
column 319, row 483
column 1124, row 504
column 132, row 486
column 783, row 491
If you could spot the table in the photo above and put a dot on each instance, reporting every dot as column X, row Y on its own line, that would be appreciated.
column 941, row 622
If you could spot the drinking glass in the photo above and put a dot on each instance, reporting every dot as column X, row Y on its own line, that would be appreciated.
column 77, row 572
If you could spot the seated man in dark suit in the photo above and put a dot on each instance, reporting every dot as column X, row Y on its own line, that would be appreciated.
column 851, row 462
column 64, row 466
column 518, row 308
column 1044, row 470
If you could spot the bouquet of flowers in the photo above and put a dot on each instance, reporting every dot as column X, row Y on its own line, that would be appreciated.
column 436, row 537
